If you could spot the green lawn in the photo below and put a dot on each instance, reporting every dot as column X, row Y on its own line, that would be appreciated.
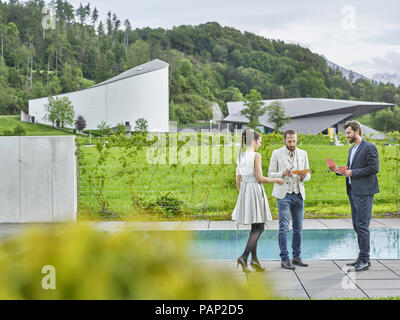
column 209, row 191
column 32, row 129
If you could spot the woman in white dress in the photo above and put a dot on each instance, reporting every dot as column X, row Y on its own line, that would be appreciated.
column 252, row 203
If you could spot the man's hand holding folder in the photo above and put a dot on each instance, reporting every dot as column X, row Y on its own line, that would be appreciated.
column 333, row 167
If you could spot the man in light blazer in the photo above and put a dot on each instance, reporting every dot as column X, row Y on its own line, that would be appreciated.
column 361, row 186
column 290, row 196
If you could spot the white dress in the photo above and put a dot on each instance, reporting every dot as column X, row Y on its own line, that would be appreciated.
column 252, row 203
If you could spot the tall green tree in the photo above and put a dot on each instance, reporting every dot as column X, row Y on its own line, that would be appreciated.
column 59, row 111
column 277, row 115
column 254, row 108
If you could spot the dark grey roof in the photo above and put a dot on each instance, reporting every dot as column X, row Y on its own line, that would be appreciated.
column 143, row 68
column 314, row 125
column 312, row 115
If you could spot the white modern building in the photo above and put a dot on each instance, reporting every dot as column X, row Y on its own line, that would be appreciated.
column 141, row 92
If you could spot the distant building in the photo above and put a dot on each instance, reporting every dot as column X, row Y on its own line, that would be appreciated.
column 141, row 92
column 217, row 114
column 310, row 115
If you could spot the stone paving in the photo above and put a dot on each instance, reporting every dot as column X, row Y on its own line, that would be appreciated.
column 328, row 279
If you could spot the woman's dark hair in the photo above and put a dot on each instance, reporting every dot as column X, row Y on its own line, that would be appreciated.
column 248, row 136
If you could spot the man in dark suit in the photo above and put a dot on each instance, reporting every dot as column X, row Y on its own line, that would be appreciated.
column 361, row 185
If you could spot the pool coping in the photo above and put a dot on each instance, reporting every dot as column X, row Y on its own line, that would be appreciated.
column 231, row 225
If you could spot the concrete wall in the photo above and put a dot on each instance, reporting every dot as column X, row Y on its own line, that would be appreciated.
column 38, row 179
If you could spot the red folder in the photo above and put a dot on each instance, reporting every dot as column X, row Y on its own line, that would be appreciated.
column 332, row 165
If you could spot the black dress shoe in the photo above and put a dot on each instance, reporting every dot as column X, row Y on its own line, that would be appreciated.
column 287, row 265
column 299, row 262
column 361, row 266
column 352, row 264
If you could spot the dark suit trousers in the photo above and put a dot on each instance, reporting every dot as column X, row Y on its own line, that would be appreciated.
column 361, row 210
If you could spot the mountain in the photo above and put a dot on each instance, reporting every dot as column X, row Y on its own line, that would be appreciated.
column 346, row 72
column 387, row 78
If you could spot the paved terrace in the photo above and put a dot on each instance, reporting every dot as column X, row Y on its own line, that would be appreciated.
column 321, row 280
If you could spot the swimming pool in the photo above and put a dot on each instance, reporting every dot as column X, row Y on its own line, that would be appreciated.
column 316, row 244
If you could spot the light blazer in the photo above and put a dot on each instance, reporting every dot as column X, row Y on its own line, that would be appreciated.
column 279, row 164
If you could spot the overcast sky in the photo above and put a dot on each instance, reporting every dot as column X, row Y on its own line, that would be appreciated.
column 360, row 35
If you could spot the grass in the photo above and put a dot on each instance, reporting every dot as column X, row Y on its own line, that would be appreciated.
column 209, row 191
column 32, row 129
column 196, row 124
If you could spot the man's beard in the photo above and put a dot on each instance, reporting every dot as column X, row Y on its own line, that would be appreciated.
column 291, row 148
column 352, row 139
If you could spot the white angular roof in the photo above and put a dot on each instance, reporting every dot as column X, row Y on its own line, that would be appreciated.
column 143, row 68
column 309, row 115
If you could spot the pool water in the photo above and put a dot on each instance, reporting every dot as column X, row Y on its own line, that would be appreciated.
column 316, row 244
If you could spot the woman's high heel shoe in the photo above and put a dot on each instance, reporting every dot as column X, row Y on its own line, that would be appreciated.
column 243, row 264
column 256, row 266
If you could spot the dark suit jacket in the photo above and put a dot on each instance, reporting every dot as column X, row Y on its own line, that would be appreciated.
column 365, row 167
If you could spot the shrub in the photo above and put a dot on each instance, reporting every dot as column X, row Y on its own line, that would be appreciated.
column 19, row 130
column 80, row 123
column 169, row 204
column 8, row 133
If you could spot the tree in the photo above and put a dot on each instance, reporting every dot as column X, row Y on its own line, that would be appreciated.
column 277, row 115
column 80, row 123
column 83, row 12
column 255, row 108
column 71, row 79
column 109, row 24
column 104, row 128
column 95, row 16
column 120, row 129
column 387, row 119
column 127, row 25
column 60, row 110
column 138, row 53
column 50, row 111
column 141, row 125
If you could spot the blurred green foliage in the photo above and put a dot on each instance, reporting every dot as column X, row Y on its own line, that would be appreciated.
column 123, row 265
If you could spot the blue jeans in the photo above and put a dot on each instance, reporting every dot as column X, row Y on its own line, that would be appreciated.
column 292, row 204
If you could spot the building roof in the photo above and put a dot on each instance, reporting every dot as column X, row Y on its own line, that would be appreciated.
column 309, row 115
column 217, row 113
column 315, row 125
column 141, row 69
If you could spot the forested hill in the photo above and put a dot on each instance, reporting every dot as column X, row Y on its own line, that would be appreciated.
column 208, row 63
